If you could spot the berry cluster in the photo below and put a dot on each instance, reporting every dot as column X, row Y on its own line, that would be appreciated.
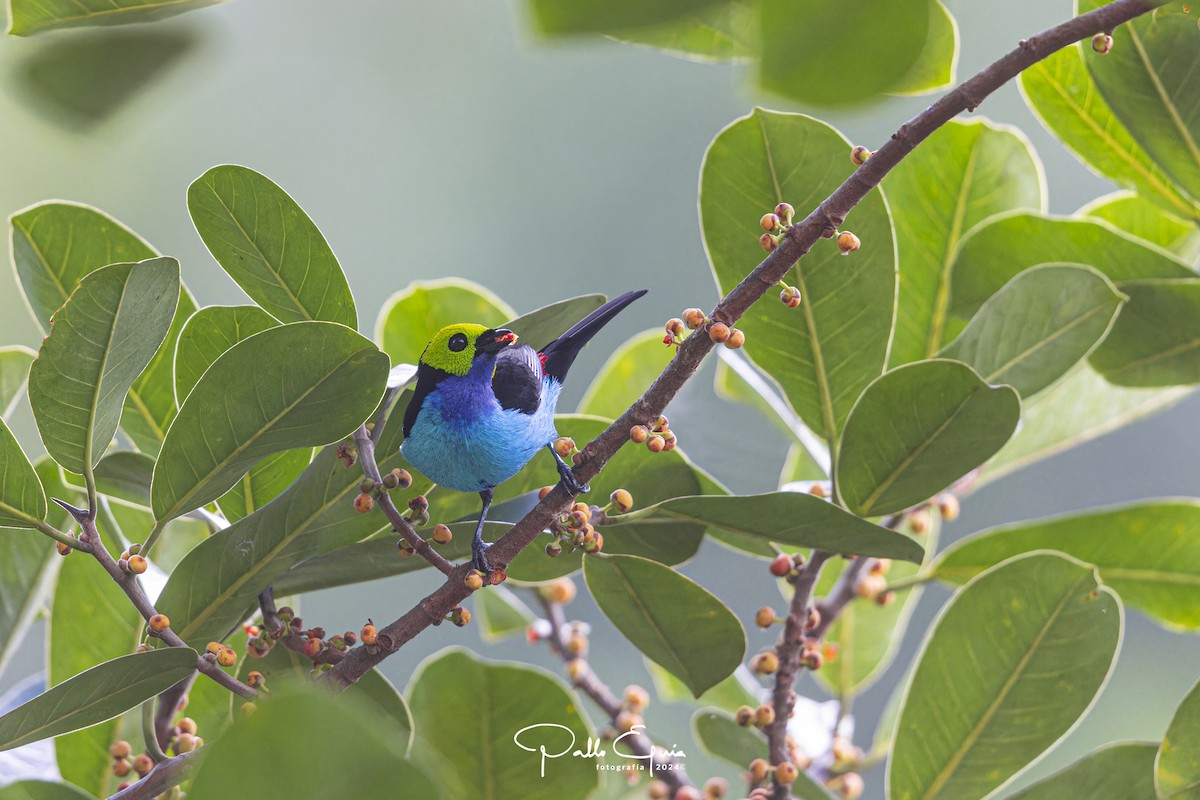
column 714, row 789
column 182, row 739
column 132, row 560
column 576, row 527
column 694, row 319
column 369, row 489
column 657, row 437
column 775, row 226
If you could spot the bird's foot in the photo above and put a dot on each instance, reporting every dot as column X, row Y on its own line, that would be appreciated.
column 571, row 483
column 479, row 558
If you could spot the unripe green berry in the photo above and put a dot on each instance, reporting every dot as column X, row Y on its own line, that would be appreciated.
column 366, row 485
column 847, row 243
column 1102, row 43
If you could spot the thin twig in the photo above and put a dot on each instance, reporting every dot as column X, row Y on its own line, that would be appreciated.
column 165, row 774
column 586, row 681
column 370, row 468
column 821, row 223
column 289, row 635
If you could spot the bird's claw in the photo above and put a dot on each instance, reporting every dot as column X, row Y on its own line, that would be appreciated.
column 479, row 559
column 571, row 484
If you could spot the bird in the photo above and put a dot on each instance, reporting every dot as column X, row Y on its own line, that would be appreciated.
column 483, row 407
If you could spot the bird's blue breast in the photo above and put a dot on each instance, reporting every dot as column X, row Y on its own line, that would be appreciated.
column 464, row 440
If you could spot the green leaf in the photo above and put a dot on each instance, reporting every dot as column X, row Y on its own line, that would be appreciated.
column 1177, row 767
column 265, row 481
column 91, row 622
column 378, row 693
column 1148, row 84
column 124, row 475
column 471, row 715
column 1043, row 322
column 543, row 325
column 55, row 244
column 1039, row 635
column 150, row 405
column 1154, row 341
column 672, row 619
column 626, row 374
column 207, row 334
column 14, row 369
column 739, row 689
column 918, row 429
column 1136, row 215
column 96, row 695
column 800, row 49
column 1077, row 409
column 720, row 736
column 1118, row 771
column 28, row 17
column 500, row 614
column 27, row 564
column 410, row 317
column 1149, row 552
column 995, row 251
column 217, row 583
column 100, row 342
column 936, row 65
column 42, row 790
column 722, row 31
column 269, row 246
column 562, row 17
column 867, row 634
column 294, row 386
column 791, row 519
column 1066, row 101
column 22, row 501
column 965, row 173
column 334, row 739
column 824, row 353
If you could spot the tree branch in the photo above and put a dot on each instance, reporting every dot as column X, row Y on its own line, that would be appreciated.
column 165, row 774
column 821, row 223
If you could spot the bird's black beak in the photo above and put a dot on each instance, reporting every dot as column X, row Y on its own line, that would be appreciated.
column 493, row 341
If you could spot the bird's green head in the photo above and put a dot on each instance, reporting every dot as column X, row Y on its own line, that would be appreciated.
column 454, row 348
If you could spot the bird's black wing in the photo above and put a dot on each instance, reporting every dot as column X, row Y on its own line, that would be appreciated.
column 517, row 379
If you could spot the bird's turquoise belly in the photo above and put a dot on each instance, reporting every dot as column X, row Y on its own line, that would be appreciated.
column 469, row 457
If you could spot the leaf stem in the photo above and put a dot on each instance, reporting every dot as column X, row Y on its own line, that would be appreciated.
column 148, row 733
column 58, row 536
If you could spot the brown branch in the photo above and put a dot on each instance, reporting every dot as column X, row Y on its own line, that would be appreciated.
column 370, row 468
column 586, row 681
column 790, row 648
column 290, row 634
column 133, row 590
column 165, row 774
column 822, row 222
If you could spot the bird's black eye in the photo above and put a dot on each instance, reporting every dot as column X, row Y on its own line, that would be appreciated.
column 458, row 342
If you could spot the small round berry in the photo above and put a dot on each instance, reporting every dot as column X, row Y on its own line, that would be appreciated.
column 694, row 318
column 622, row 499
column 143, row 763
column 638, row 434
column 63, row 549
column 716, row 788
column 363, row 503
column 576, row 668
column 545, row 490
column 736, row 339
column 120, row 749
column 860, row 154
column 759, row 770
column 159, row 623
column 782, row 565
column 554, row 549
column 419, row 503
column 474, row 580
column 122, row 767
column 744, row 716
column 656, row 443
column 286, row 614
column 719, row 332
column 818, row 489
column 138, row 564
column 813, row 620
column 675, row 326
column 765, row 617
column 213, row 647
column 765, row 663
column 636, row 698
column 948, row 507
column 403, row 477
column 312, row 647
column 560, row 591
column 870, row 585
column 1102, row 43
column 850, row 786
column 389, row 481
column 404, row 546
column 785, row 212
column 770, row 223
column 786, row 773
column 564, row 446
column 366, row 485
column 368, row 634
column 919, row 521
column 255, row 679
column 687, row 793
column 768, row 242
column 764, row 715
column 442, row 534
column 184, row 743
column 790, row 296
column 661, row 424
column 460, row 616
column 227, row 657
column 881, row 566
column 847, row 243
column 626, row 721
column 813, row 659
column 885, row 598
column 658, row 790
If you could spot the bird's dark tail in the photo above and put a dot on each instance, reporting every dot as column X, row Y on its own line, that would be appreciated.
column 558, row 356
